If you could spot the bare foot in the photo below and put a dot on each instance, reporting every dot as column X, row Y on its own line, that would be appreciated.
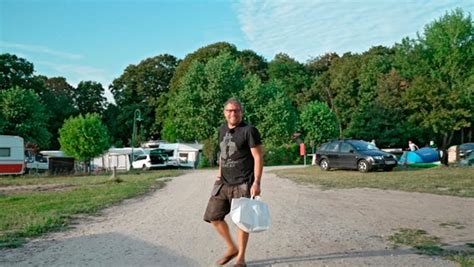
column 228, row 256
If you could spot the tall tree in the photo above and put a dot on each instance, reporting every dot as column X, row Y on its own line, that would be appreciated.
column 15, row 71
column 292, row 74
column 436, row 99
column 89, row 97
column 143, row 86
column 253, row 64
column 196, row 107
column 22, row 113
column 344, row 88
column 57, row 96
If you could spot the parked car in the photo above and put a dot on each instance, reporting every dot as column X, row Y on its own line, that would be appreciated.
column 354, row 154
column 150, row 159
column 465, row 149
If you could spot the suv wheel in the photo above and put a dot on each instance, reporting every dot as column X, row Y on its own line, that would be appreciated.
column 363, row 166
column 324, row 164
column 144, row 168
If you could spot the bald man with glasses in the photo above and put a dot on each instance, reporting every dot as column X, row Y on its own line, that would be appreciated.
column 239, row 175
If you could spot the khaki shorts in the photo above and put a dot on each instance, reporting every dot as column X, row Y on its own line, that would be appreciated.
column 221, row 197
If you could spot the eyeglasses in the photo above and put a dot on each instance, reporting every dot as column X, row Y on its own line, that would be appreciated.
column 232, row 110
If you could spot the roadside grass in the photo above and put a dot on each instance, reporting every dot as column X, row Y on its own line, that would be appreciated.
column 426, row 244
column 30, row 213
column 452, row 181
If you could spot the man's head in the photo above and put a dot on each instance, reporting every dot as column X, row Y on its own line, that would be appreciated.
column 233, row 112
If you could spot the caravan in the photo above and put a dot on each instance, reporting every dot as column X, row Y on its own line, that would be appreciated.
column 12, row 155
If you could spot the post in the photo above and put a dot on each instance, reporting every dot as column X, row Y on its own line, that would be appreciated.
column 136, row 117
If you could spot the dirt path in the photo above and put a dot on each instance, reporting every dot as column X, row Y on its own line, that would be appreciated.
column 310, row 227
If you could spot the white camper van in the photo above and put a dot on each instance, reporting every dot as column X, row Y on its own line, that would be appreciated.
column 12, row 155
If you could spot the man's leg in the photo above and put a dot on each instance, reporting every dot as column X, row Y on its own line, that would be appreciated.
column 242, row 239
column 223, row 229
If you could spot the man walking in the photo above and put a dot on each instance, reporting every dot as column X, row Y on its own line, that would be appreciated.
column 239, row 175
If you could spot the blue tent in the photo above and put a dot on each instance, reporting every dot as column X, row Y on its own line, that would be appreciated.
column 423, row 155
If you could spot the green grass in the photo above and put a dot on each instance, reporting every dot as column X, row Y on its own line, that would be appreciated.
column 30, row 213
column 439, row 180
column 426, row 244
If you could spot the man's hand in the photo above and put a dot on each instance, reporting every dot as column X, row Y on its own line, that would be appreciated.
column 255, row 190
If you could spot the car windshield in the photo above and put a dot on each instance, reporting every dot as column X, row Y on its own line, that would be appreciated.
column 362, row 146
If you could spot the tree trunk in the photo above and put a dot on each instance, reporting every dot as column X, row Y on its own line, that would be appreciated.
column 470, row 134
column 445, row 139
column 450, row 138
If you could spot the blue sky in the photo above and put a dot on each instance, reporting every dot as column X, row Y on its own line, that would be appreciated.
column 97, row 40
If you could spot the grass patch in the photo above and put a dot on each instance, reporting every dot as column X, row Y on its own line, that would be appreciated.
column 32, row 213
column 425, row 244
column 439, row 180
column 454, row 225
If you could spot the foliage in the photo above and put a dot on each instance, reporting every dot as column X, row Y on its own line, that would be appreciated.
column 57, row 97
column 88, row 97
column 292, row 74
column 278, row 117
column 209, row 152
column 84, row 137
column 15, row 71
column 436, row 99
column 142, row 86
column 210, row 85
column 318, row 123
column 22, row 113
column 282, row 155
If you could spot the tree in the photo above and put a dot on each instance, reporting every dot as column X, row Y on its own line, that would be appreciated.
column 343, row 88
column 278, row 117
column 318, row 123
column 22, row 113
column 436, row 98
column 15, row 71
column 84, row 137
column 88, row 97
column 319, row 90
column 292, row 74
column 253, row 64
column 143, row 86
column 196, row 107
column 57, row 95
column 268, row 108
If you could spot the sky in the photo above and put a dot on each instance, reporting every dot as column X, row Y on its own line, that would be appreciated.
column 85, row 40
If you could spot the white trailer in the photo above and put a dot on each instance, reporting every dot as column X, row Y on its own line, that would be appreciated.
column 12, row 155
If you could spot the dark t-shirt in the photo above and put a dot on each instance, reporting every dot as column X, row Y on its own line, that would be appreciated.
column 237, row 162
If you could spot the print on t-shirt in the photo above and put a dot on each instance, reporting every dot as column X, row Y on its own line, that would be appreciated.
column 228, row 148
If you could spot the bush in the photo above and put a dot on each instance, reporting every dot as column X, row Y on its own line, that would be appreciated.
column 282, row 155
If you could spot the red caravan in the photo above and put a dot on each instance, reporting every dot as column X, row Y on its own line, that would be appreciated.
column 12, row 155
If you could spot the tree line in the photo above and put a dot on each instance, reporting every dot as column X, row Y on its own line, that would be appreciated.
column 420, row 89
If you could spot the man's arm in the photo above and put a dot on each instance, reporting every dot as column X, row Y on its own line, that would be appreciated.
column 257, row 153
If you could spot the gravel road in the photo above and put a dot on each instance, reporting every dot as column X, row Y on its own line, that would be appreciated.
column 310, row 227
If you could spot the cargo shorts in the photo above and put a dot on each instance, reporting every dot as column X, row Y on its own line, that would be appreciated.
column 221, row 197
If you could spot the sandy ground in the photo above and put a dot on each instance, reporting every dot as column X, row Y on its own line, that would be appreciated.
column 310, row 227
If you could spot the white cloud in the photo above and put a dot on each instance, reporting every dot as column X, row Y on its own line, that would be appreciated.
column 306, row 29
column 40, row 49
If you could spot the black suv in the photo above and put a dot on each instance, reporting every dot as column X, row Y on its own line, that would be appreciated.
column 354, row 154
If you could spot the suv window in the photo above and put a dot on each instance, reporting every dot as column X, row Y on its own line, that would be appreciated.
column 141, row 157
column 345, row 147
column 332, row 147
